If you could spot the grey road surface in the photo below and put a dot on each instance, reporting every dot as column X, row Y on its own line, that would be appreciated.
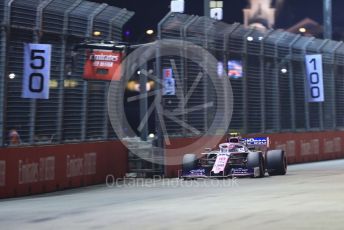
column 310, row 196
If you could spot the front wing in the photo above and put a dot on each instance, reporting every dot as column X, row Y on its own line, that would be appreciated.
column 233, row 172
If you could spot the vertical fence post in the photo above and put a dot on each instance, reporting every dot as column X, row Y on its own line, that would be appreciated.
column 206, row 8
column 5, row 33
column 277, row 81
column 59, row 130
column 3, row 72
column 88, row 34
column 158, row 103
column 183, row 67
column 262, row 87
column 245, row 91
column 36, row 39
column 327, row 15
column 333, row 85
column 143, row 101
column 205, row 86
column 112, row 21
column 306, row 103
column 60, row 108
column 291, row 85
column 206, row 13
column 227, row 34
column 206, row 79
column 321, row 104
column 262, row 82
column 106, row 110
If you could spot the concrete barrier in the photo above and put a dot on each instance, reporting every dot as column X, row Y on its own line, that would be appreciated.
column 34, row 170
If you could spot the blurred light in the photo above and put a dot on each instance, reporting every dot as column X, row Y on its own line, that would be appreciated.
column 127, row 33
column 138, row 72
column 260, row 38
column 131, row 85
column 150, row 32
column 53, row 84
column 150, row 85
column 284, row 70
column 151, row 135
column 250, row 38
column 12, row 76
column 97, row 33
column 134, row 86
column 70, row 83
column 302, row 30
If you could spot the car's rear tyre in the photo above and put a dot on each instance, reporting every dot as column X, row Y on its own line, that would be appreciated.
column 276, row 162
column 189, row 162
column 254, row 160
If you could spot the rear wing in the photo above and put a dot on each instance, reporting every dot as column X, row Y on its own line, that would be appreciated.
column 257, row 141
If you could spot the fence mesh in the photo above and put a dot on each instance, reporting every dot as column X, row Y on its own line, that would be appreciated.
column 76, row 110
column 265, row 99
column 270, row 94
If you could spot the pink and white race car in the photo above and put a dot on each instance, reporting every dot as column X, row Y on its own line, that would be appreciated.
column 238, row 157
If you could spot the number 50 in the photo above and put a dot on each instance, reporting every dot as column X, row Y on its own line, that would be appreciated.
column 36, row 80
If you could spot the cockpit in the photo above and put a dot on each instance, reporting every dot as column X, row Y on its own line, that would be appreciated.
column 231, row 147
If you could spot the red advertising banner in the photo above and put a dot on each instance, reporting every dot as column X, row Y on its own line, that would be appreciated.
column 103, row 65
column 2, row 173
column 41, row 169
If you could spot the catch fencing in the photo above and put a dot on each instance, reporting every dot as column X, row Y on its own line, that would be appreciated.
column 77, row 109
column 269, row 95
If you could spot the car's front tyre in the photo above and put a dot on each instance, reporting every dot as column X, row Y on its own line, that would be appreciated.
column 256, row 160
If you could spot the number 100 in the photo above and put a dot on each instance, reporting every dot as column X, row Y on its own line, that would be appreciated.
column 314, row 81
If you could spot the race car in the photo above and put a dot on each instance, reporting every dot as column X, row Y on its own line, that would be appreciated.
column 239, row 157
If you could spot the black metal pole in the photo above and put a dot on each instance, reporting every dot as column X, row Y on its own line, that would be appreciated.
column 144, row 102
column 206, row 8
column 327, row 14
